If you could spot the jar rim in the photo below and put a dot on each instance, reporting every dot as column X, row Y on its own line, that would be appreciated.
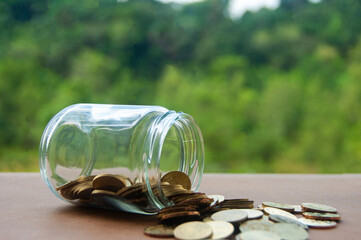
column 192, row 155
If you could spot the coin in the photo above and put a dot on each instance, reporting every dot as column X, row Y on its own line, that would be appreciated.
column 221, row 229
column 178, row 217
column 216, row 199
column 317, row 223
column 322, row 216
column 207, row 219
column 109, row 182
column 159, row 231
column 288, row 231
column 253, row 214
column 133, row 189
column 193, row 230
column 177, row 177
column 176, row 208
column 258, row 235
column 232, row 215
column 285, row 207
column 235, row 204
column 276, row 211
column 255, row 225
column 102, row 193
column 297, row 208
column 315, row 207
column 80, row 179
column 283, row 219
column 83, row 190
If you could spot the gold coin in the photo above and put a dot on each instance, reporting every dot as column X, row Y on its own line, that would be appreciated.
column 285, row 207
column 176, row 208
column 283, row 219
column 160, row 230
column 315, row 207
column 189, row 196
column 317, row 223
column 322, row 216
column 289, row 231
column 131, row 190
column 80, row 179
column 177, row 177
column 257, row 235
column 253, row 214
column 193, row 230
column 180, row 216
column 67, row 193
column 109, row 182
column 264, row 225
column 221, row 229
column 232, row 216
column 83, row 190
column 276, row 211
column 102, row 193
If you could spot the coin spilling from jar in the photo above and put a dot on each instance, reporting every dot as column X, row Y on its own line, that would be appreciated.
column 195, row 215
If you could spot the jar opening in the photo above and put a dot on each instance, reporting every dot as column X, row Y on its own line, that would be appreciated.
column 177, row 145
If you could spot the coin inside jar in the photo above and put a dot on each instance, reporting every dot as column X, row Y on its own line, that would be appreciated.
column 177, row 177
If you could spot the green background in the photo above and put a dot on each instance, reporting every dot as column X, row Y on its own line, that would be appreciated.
column 274, row 91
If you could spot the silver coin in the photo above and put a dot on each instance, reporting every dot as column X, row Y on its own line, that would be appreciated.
column 221, row 229
column 231, row 215
column 283, row 219
column 276, row 211
column 288, row 231
column 317, row 223
column 258, row 235
column 193, row 230
column 253, row 214
column 256, row 225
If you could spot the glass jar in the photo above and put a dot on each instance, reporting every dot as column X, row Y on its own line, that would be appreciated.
column 140, row 143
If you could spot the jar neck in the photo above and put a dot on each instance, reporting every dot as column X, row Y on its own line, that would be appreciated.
column 189, row 142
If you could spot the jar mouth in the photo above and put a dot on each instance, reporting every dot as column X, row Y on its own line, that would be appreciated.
column 190, row 147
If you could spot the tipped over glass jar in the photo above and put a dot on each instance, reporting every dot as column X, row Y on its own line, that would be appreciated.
column 118, row 156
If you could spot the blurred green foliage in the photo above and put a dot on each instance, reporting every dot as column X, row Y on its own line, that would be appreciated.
column 274, row 91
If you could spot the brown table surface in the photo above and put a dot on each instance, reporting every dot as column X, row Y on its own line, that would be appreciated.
column 29, row 210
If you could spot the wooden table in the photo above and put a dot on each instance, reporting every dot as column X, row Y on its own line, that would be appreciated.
column 29, row 210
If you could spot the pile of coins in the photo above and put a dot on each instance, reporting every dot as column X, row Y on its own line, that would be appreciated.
column 270, row 221
column 202, row 216
column 195, row 215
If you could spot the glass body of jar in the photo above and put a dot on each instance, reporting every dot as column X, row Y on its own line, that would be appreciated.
column 139, row 142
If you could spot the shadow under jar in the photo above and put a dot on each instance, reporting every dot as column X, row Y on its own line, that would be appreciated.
column 136, row 145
